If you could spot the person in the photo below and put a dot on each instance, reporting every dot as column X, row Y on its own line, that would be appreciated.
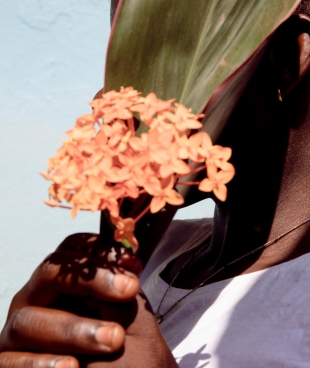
column 252, row 307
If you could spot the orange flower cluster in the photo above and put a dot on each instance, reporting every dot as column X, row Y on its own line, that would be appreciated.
column 103, row 161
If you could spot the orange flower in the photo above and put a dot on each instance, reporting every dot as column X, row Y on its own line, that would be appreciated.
column 173, row 164
column 102, row 161
column 221, row 153
column 216, row 180
column 118, row 111
column 124, row 230
column 197, row 147
column 115, row 104
column 183, row 118
column 150, row 106
column 165, row 194
column 136, row 165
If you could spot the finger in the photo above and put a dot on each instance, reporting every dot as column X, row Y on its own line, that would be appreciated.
column 31, row 360
column 60, row 332
column 83, row 242
column 74, row 274
column 130, row 263
column 92, row 244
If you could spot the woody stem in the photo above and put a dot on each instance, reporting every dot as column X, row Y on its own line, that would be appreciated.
column 142, row 214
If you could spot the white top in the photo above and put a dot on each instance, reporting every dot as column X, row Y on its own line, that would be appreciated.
column 257, row 320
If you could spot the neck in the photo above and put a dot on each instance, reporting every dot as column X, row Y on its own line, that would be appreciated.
column 268, row 196
column 277, row 198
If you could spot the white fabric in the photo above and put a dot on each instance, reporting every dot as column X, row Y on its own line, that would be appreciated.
column 257, row 320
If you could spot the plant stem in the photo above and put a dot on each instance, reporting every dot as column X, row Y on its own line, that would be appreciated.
column 121, row 202
column 142, row 214
column 193, row 164
column 126, row 244
column 193, row 172
column 188, row 183
column 131, row 126
column 65, row 207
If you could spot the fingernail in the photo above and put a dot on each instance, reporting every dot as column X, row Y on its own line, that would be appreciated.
column 65, row 362
column 122, row 282
column 107, row 335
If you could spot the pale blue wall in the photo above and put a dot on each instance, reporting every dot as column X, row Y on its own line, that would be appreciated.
column 51, row 65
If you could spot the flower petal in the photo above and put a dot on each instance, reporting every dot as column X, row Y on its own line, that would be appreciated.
column 220, row 191
column 206, row 185
column 165, row 171
column 225, row 177
column 180, row 167
column 211, row 169
column 129, row 224
column 153, row 186
column 157, row 203
column 174, row 198
column 46, row 175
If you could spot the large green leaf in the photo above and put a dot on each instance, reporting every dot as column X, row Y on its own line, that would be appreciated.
column 185, row 49
column 201, row 52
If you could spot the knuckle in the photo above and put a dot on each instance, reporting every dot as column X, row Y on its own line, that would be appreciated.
column 7, row 361
column 17, row 300
column 79, row 333
column 42, row 275
column 17, row 325
column 72, row 331
column 27, row 362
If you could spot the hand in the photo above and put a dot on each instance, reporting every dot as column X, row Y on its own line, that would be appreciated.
column 144, row 344
column 60, row 311
column 57, row 311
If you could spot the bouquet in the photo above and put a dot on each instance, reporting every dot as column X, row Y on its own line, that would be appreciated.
column 103, row 161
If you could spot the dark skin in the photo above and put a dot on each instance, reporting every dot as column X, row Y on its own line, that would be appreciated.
column 65, row 313
column 270, row 143
column 267, row 197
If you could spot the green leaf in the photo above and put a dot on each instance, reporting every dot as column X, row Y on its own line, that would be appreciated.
column 185, row 49
column 201, row 52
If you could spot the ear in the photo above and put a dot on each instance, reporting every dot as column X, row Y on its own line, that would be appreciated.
column 290, row 52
